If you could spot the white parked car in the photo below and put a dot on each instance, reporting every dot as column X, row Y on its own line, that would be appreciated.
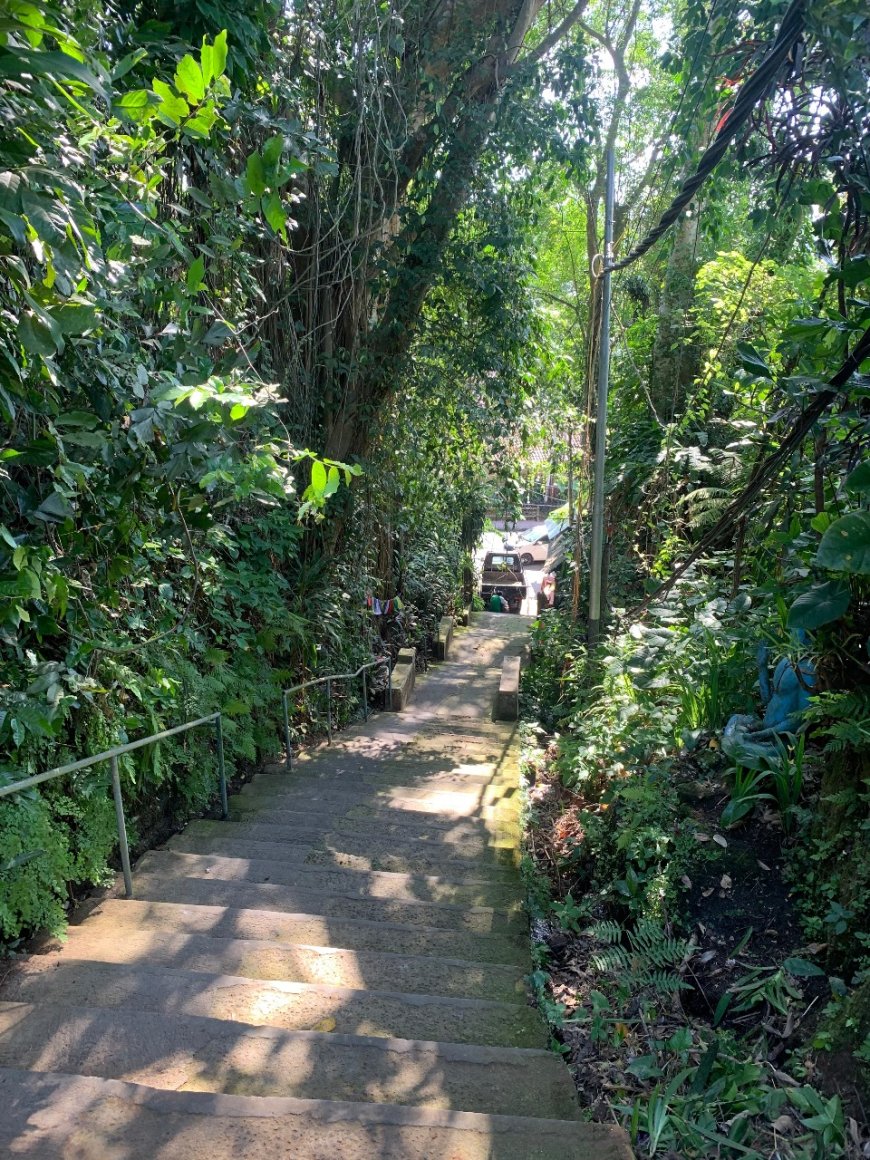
column 534, row 545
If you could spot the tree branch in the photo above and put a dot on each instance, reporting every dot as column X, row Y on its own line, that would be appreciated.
column 552, row 39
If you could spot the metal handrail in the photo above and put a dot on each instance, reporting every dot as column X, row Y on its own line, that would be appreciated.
column 112, row 755
column 385, row 660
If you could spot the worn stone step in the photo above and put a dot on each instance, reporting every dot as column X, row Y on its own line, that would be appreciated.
column 381, row 774
column 44, row 983
column 158, row 886
column 283, row 813
column 266, row 862
column 332, row 966
column 192, row 1053
column 409, row 857
column 58, row 1117
column 448, row 803
column 124, row 915
column 392, row 778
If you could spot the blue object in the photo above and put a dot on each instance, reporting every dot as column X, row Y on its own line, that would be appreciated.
column 750, row 741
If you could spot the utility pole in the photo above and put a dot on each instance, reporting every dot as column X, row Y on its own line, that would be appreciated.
column 596, row 553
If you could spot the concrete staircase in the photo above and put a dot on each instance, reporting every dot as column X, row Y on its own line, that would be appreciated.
column 335, row 973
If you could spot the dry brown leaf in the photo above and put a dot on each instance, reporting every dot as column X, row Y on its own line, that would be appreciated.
column 327, row 1024
column 783, row 1123
column 701, row 837
column 763, row 865
column 686, row 881
column 720, row 840
column 725, row 882
column 706, row 893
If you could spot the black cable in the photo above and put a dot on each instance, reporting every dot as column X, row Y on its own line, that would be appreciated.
column 673, row 122
column 753, row 91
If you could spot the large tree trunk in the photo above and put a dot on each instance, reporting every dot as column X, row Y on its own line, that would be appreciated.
column 450, row 135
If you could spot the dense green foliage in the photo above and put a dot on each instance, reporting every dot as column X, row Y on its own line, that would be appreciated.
column 194, row 255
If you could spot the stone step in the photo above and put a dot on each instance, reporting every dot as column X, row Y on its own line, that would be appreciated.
column 332, row 966
column 407, row 857
column 122, row 916
column 157, row 886
column 45, row 983
column 392, row 772
column 192, row 1053
column 267, row 862
column 448, row 803
column 386, row 819
column 57, row 1117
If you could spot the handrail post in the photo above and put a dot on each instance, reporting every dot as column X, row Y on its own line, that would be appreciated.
column 222, row 772
column 122, row 828
column 288, row 759
column 390, row 679
column 365, row 697
column 329, row 710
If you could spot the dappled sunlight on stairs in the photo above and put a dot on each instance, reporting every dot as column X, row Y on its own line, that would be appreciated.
column 335, row 972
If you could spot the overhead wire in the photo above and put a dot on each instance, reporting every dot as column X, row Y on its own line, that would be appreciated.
column 666, row 136
column 751, row 93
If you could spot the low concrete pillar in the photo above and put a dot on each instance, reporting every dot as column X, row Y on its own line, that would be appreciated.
column 507, row 699
column 444, row 638
column 402, row 683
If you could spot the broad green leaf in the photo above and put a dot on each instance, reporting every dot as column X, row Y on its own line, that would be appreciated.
column 54, row 509
column 21, row 61
column 318, row 478
column 735, row 810
column 172, row 109
column 821, row 604
column 752, row 361
column 821, row 522
column 238, row 411
column 802, row 968
column 35, row 336
column 845, row 546
column 256, row 175
column 127, row 63
column 195, row 275
column 75, row 318
column 858, row 482
column 855, row 271
column 202, row 124
column 272, row 151
column 25, row 586
column 16, row 225
column 333, row 480
column 206, row 62
column 219, row 53
column 274, row 212
column 189, row 79
column 136, row 104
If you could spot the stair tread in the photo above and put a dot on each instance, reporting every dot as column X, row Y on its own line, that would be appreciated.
column 57, row 1113
column 297, row 900
column 295, row 1006
column 199, row 1053
column 306, row 963
column 263, row 861
column 221, row 921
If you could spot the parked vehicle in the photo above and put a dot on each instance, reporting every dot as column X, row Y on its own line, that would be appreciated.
column 534, row 545
column 503, row 573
